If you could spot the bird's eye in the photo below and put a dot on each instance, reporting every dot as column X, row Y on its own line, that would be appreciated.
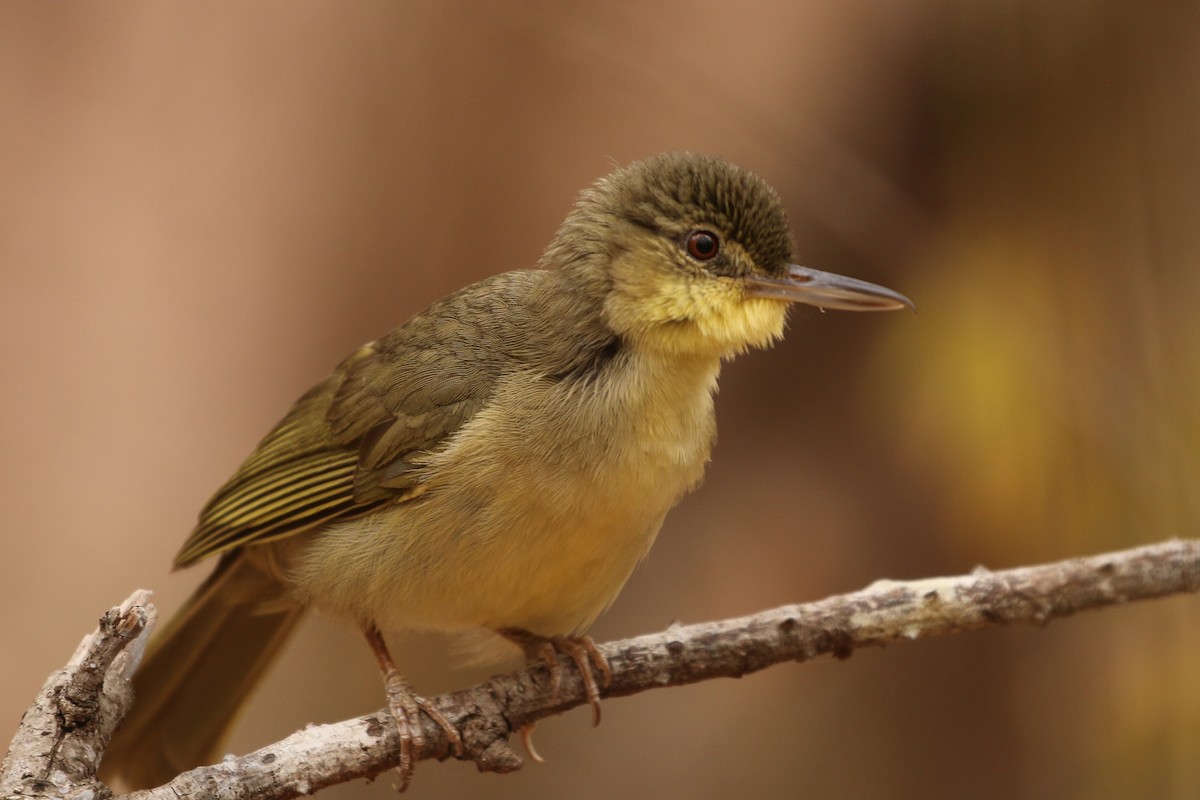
column 703, row 245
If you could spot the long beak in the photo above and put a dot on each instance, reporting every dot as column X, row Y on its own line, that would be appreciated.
column 827, row 290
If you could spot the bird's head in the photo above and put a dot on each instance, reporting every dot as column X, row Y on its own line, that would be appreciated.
column 696, row 257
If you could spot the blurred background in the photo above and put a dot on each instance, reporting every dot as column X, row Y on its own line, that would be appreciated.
column 205, row 206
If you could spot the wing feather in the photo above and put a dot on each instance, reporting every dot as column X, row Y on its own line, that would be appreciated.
column 356, row 441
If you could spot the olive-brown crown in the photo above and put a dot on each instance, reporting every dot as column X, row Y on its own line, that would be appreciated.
column 671, row 195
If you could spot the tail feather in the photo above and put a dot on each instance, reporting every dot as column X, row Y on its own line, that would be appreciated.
column 198, row 673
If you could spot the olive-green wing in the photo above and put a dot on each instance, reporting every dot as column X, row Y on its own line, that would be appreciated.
column 347, row 446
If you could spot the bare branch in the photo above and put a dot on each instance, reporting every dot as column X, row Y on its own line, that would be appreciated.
column 886, row 611
column 58, row 744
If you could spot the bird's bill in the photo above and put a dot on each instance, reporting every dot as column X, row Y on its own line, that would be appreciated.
column 827, row 290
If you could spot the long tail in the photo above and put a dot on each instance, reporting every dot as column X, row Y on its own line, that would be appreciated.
column 199, row 672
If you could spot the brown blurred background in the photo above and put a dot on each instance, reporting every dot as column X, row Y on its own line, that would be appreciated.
column 204, row 206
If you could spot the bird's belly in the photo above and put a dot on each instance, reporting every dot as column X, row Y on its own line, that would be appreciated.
column 508, row 533
column 545, row 553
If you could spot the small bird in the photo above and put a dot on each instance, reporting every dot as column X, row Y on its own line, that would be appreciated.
column 502, row 461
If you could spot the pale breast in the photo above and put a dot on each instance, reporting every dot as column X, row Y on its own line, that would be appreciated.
column 535, row 513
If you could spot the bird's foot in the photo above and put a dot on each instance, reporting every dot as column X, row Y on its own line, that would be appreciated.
column 588, row 660
column 406, row 706
column 580, row 649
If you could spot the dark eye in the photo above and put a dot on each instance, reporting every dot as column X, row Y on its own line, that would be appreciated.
column 703, row 245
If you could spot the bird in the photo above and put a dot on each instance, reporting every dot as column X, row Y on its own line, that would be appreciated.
column 502, row 461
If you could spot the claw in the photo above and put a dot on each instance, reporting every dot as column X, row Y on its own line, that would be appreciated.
column 527, row 741
column 587, row 658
